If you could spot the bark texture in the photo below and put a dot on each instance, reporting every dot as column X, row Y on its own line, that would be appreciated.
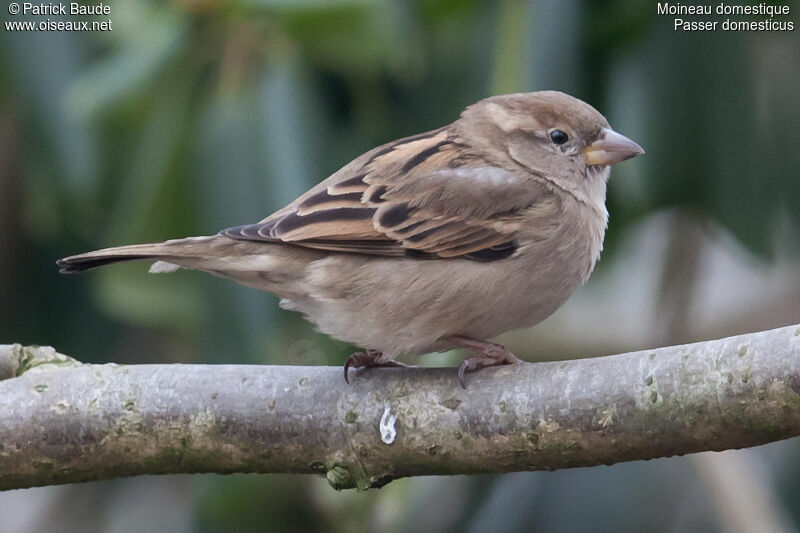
column 63, row 422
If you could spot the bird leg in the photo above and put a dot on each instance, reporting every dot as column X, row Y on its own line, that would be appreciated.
column 490, row 354
column 369, row 359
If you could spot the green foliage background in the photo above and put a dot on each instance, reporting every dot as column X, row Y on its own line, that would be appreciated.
column 195, row 115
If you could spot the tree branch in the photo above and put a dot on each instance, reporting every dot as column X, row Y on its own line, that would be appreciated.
column 62, row 421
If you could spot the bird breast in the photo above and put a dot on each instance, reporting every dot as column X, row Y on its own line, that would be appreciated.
column 405, row 306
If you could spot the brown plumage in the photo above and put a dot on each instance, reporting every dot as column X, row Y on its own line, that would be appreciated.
column 441, row 239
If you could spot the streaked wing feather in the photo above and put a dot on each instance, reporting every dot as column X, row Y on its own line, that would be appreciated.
column 418, row 196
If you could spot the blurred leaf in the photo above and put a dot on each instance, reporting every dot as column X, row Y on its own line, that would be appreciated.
column 336, row 38
column 245, row 503
column 141, row 208
column 703, row 136
column 132, row 66
column 553, row 41
column 307, row 5
column 129, row 293
column 510, row 67
column 290, row 123
column 43, row 66
column 146, row 209
column 231, row 188
column 776, row 75
column 580, row 500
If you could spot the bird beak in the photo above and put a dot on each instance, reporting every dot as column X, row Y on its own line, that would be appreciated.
column 611, row 147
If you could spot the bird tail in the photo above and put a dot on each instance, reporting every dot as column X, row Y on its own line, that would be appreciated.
column 163, row 251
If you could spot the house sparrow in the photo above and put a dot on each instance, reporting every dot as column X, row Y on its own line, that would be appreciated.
column 439, row 240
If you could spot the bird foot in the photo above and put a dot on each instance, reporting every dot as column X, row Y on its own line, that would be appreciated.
column 490, row 354
column 369, row 359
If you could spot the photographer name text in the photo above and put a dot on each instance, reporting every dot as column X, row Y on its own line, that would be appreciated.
column 38, row 11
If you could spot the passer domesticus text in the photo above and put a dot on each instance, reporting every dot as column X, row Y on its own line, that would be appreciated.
column 439, row 240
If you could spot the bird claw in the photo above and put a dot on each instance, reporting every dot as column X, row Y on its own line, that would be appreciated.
column 490, row 355
column 368, row 359
column 463, row 368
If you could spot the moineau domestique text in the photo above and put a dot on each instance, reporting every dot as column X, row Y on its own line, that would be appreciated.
column 666, row 8
column 29, row 8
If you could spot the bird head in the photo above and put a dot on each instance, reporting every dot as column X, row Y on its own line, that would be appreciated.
column 554, row 136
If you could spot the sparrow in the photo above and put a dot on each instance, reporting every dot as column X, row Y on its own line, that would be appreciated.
column 436, row 241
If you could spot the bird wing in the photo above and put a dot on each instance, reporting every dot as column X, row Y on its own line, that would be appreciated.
column 425, row 196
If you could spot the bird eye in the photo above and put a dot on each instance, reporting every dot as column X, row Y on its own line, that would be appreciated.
column 558, row 137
